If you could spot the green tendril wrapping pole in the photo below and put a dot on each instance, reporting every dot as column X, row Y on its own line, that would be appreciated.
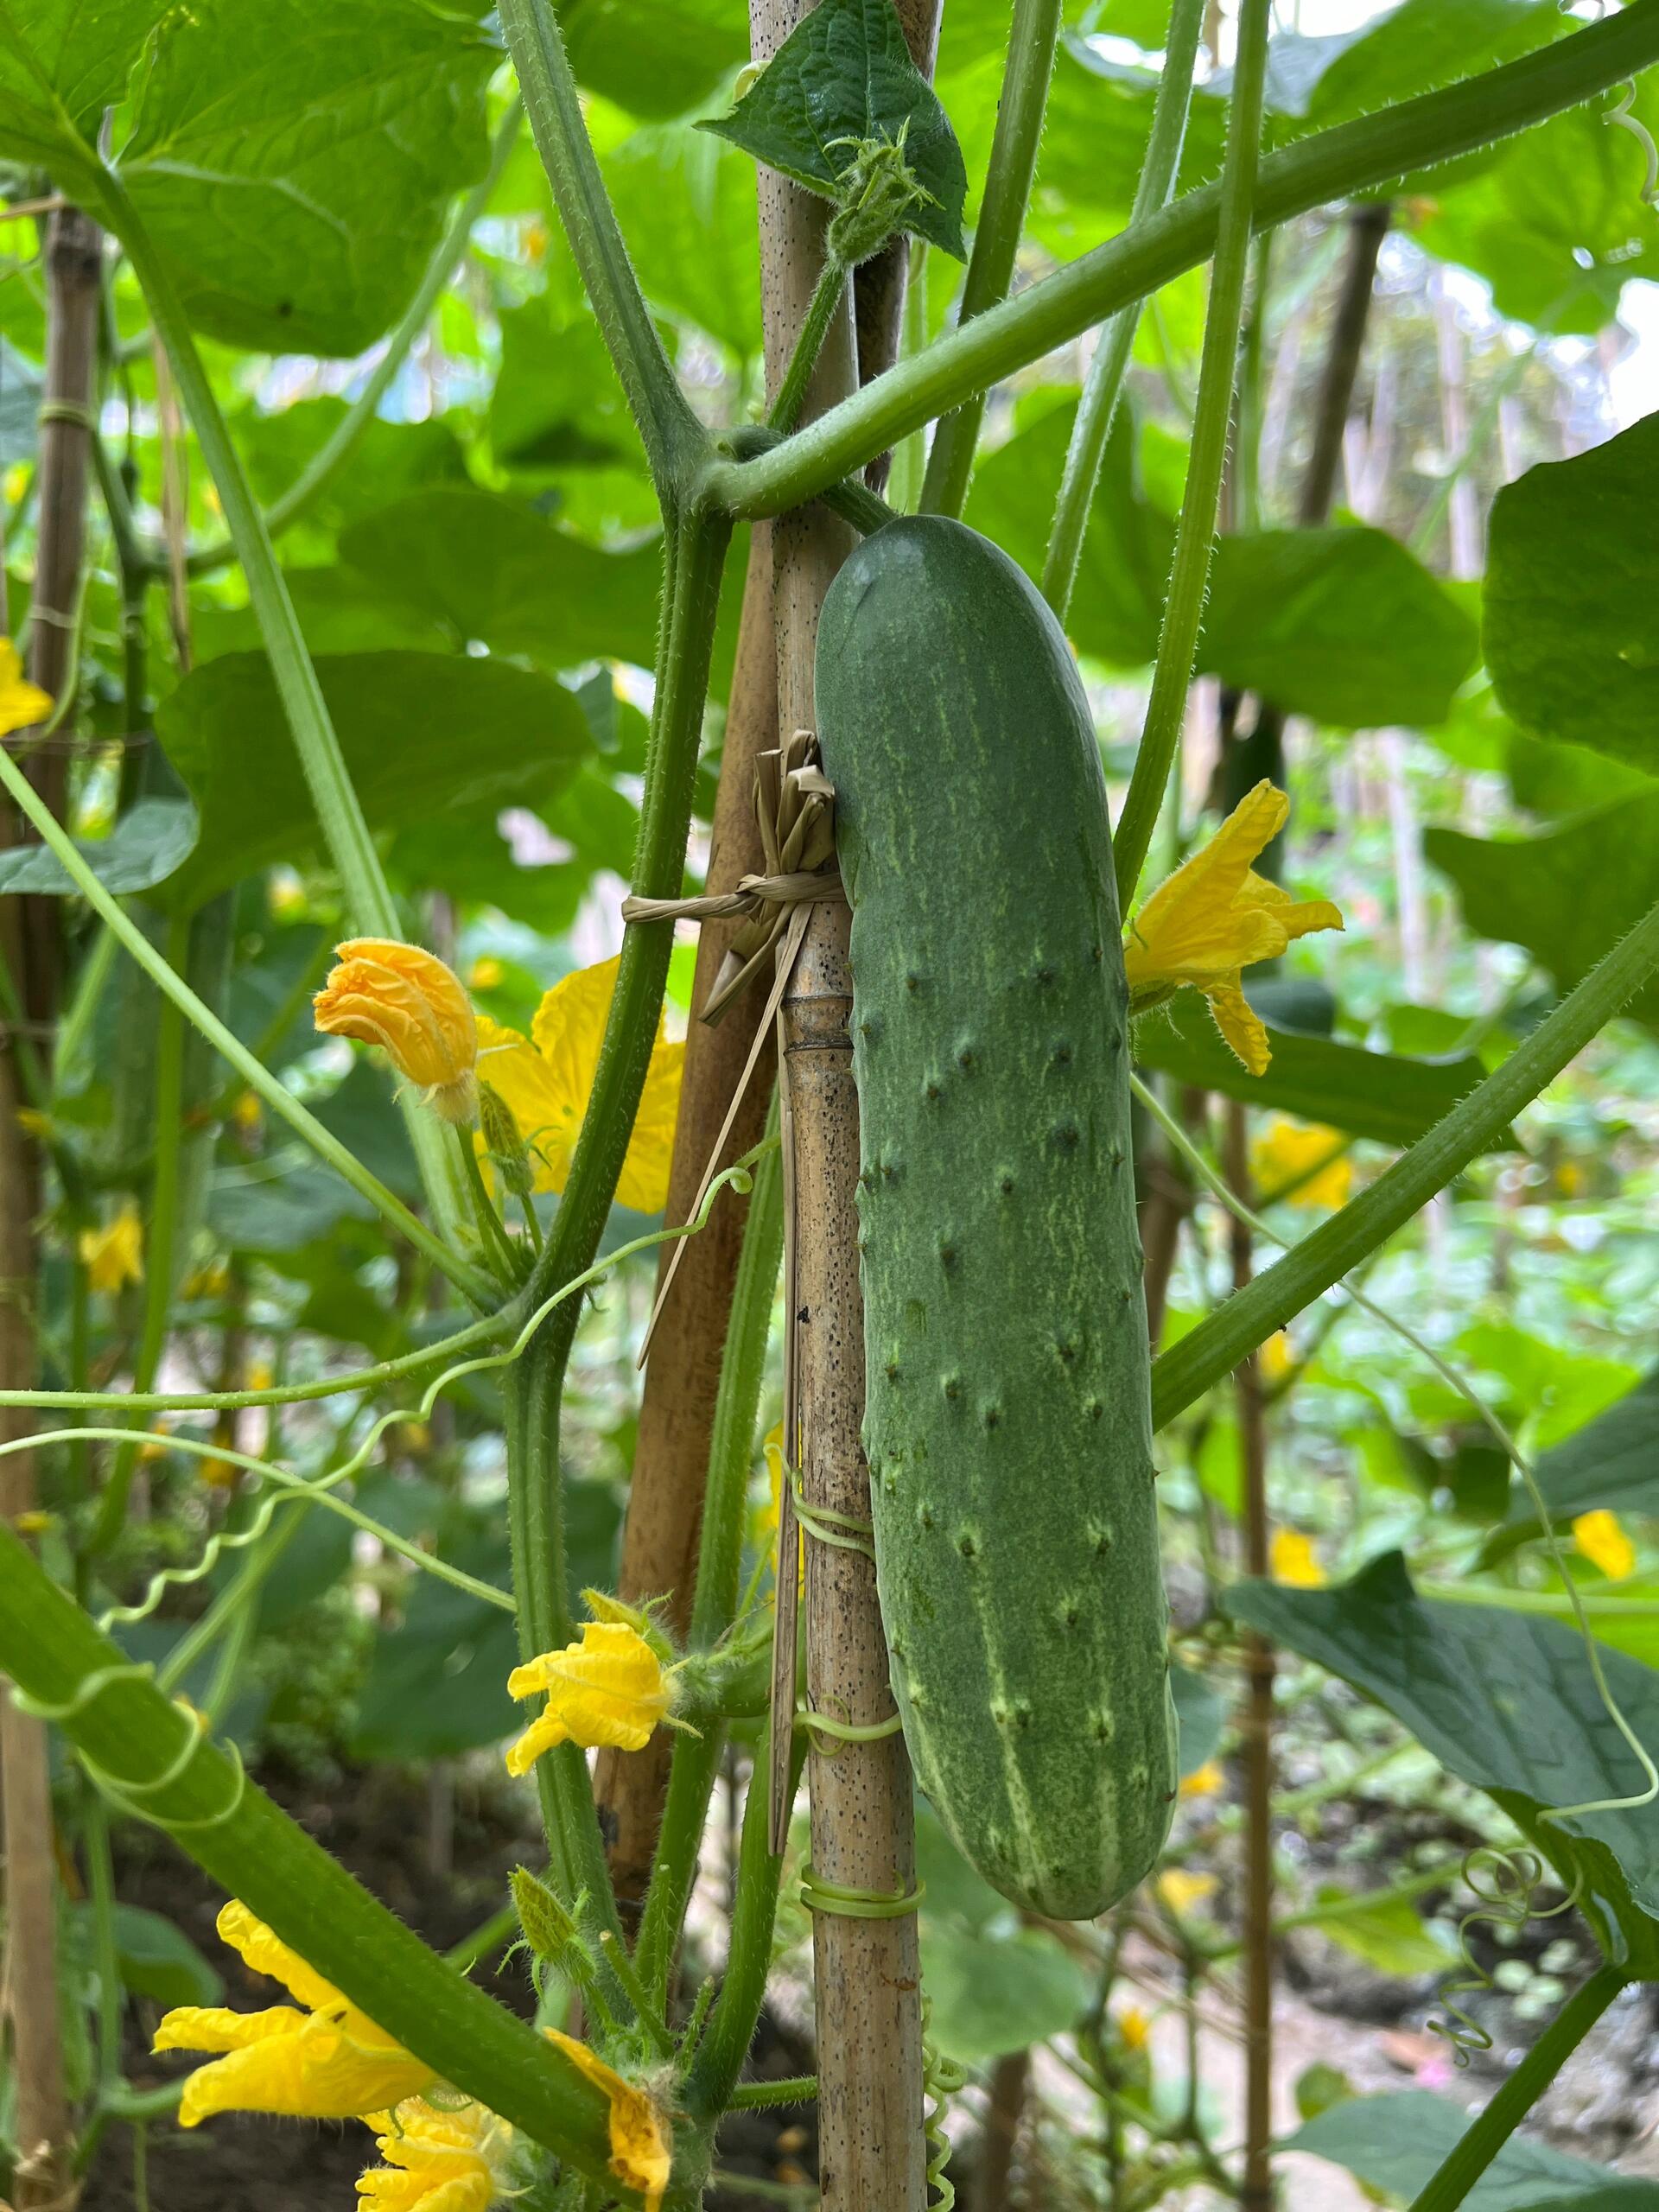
column 1195, row 534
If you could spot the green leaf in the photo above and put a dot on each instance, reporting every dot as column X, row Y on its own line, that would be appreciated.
column 295, row 167
column 158, row 1961
column 1505, row 1700
column 146, row 845
column 1202, row 1713
column 340, row 611
column 21, row 387
column 362, row 1115
column 654, row 57
column 991, row 1994
column 1377, row 1095
column 387, row 459
column 1613, row 1462
column 423, row 733
column 1572, row 598
column 1387, row 1933
column 844, row 73
column 1395, row 2144
column 686, row 202
column 1342, row 625
column 62, row 62
column 285, row 1208
column 558, row 402
column 1568, row 896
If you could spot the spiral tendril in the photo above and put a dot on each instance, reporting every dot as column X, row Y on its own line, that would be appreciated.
column 941, row 2078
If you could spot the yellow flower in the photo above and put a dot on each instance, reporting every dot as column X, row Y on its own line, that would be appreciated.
column 35, row 1524
column 114, row 1256
column 1276, row 1357
column 34, row 1123
column 408, row 1002
column 1214, row 917
column 1306, row 1162
column 610, row 1687
column 485, row 973
column 1292, row 1561
column 438, row 2160
column 545, row 1080
column 248, row 1111
column 769, row 1522
column 327, row 2062
column 1133, row 2026
column 641, row 2151
column 1180, row 1890
column 1600, row 1536
column 1203, row 1780
column 221, row 1474
column 21, row 703
column 212, row 1281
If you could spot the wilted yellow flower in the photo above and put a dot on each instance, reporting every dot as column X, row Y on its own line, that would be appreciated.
column 1600, row 1536
column 1305, row 1160
column 1180, row 1890
column 408, row 1002
column 1203, row 1782
column 485, row 973
column 114, row 1256
column 1293, row 1561
column 641, row 2151
column 546, row 1078
column 609, row 1687
column 1133, row 2026
column 437, row 2160
column 327, row 2062
column 1214, row 917
column 21, row 703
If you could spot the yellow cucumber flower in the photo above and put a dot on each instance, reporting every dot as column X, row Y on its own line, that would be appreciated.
column 329, row 2061
column 609, row 1688
column 1306, row 1161
column 641, row 2147
column 1216, row 916
column 413, row 1007
column 1203, row 1782
column 1180, row 1890
column 438, row 2160
column 1292, row 1561
column 113, row 1256
column 1600, row 1536
column 545, row 1079
column 21, row 703
column 1133, row 2026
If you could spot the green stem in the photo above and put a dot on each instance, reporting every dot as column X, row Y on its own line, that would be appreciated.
column 674, row 440
column 815, row 328
column 1195, row 534
column 996, row 237
column 696, row 1759
column 159, row 1265
column 100, row 1884
column 275, row 1094
column 1492, row 2129
column 757, row 2096
column 1104, row 382
column 1281, row 1292
column 345, row 832
column 325, row 464
column 492, row 1230
column 117, row 1718
column 1329, row 165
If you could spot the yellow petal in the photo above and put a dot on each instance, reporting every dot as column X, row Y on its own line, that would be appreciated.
column 1133, row 2026
column 1203, row 1780
column 548, row 1119
column 114, row 1255
column 451, row 2160
column 315, row 2071
column 1239, row 1024
column 21, row 703
column 567, row 1032
column 1180, row 1890
column 263, row 1949
column 405, row 1000
column 641, row 2153
column 609, row 1688
column 1292, row 1561
column 216, row 2028
column 1600, row 1536
column 1304, row 1162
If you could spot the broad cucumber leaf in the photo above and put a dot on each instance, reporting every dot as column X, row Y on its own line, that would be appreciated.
column 1387, row 1933
column 1202, row 1713
column 295, row 165
column 686, row 202
column 21, row 386
column 146, row 845
column 556, row 401
column 423, row 735
column 654, row 57
column 157, row 1959
column 1507, row 1701
column 1613, row 1462
column 62, row 62
column 1567, row 896
column 287, row 1205
column 1395, row 2144
column 1572, row 598
column 845, row 73
column 1377, row 1095
column 989, row 1994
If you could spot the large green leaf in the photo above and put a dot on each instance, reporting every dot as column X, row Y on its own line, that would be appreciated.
column 556, row 401
column 845, row 74
column 989, row 1994
column 62, row 62
column 387, row 459
column 1613, row 1462
column 1568, row 896
column 423, row 734
column 1507, row 1701
column 1386, row 1932
column 1572, row 598
column 1395, row 2144
column 1377, row 1095
column 655, row 57
column 294, row 165
column 686, row 202
column 144, row 848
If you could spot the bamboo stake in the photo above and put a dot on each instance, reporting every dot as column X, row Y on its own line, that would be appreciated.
column 29, row 944
column 872, row 2155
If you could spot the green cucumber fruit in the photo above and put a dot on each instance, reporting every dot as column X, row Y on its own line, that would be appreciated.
column 1008, row 1422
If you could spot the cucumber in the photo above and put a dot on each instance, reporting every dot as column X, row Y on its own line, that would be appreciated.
column 1007, row 1421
